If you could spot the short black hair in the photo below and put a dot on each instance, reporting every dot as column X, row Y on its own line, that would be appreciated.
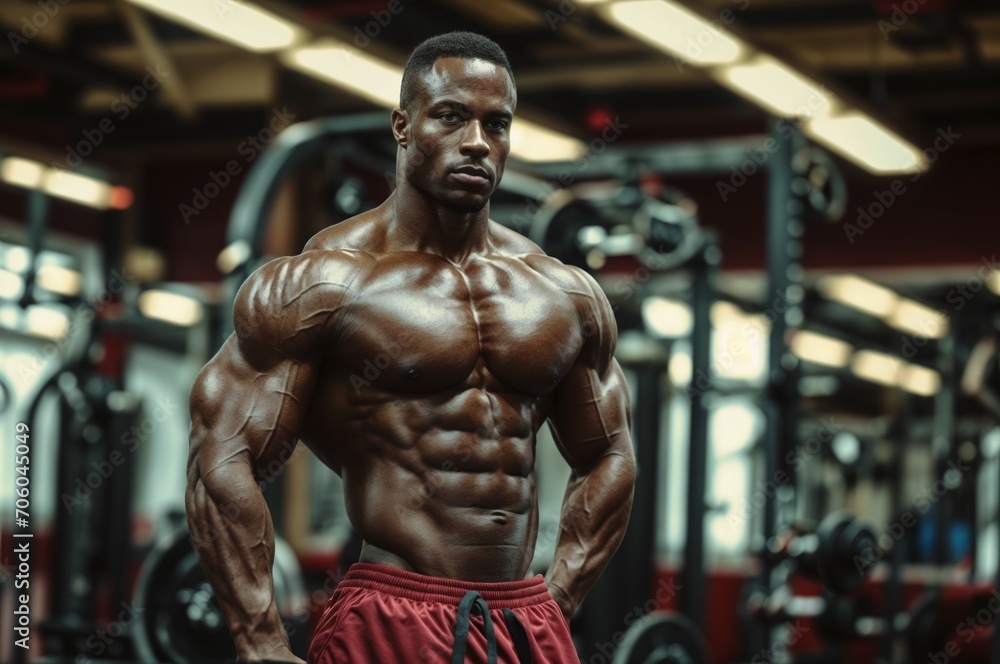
column 449, row 45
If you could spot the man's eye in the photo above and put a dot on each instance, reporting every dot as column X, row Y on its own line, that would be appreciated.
column 498, row 125
column 450, row 117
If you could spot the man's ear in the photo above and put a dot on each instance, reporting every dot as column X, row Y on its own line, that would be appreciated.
column 400, row 126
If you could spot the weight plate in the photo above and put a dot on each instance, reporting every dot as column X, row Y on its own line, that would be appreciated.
column 843, row 540
column 179, row 617
column 662, row 638
column 925, row 633
column 557, row 228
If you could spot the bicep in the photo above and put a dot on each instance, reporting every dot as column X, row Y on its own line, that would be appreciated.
column 247, row 410
column 590, row 414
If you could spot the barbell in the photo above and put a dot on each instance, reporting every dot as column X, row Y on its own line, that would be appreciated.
column 584, row 230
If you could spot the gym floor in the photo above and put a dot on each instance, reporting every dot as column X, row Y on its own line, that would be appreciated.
column 785, row 202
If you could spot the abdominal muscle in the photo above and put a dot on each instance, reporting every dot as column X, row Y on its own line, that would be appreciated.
column 435, row 486
column 470, row 526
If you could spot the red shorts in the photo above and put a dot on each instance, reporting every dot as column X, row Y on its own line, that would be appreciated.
column 381, row 614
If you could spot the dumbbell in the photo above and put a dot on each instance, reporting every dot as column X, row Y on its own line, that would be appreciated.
column 830, row 554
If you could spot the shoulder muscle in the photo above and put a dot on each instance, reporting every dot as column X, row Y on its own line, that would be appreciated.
column 290, row 306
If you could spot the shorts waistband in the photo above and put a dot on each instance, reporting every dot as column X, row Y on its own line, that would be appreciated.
column 421, row 588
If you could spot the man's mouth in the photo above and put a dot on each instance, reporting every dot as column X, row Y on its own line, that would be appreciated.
column 471, row 175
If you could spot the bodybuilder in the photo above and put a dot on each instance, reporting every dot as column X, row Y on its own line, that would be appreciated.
column 416, row 349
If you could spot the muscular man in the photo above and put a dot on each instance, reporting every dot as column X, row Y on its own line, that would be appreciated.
column 417, row 349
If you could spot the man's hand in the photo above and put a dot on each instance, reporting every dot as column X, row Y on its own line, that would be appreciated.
column 280, row 653
column 562, row 598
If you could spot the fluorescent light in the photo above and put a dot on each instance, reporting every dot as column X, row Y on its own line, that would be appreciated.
column 846, row 447
column 62, row 183
column 17, row 258
column 733, row 427
column 899, row 312
column 876, row 367
column 724, row 313
column 77, row 188
column 533, row 142
column 249, row 26
column 679, row 368
column 11, row 285
column 775, row 86
column 859, row 294
column 170, row 307
column 678, row 31
column 821, row 349
column 46, row 322
column 233, row 255
column 993, row 282
column 920, row 380
column 347, row 67
column 22, row 172
column 60, row 280
column 867, row 143
column 667, row 318
column 738, row 342
column 913, row 317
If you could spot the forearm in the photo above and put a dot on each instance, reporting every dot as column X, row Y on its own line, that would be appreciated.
column 232, row 533
column 594, row 517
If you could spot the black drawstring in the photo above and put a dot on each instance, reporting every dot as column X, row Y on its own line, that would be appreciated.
column 519, row 636
column 472, row 602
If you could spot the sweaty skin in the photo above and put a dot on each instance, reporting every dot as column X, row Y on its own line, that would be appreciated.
column 417, row 349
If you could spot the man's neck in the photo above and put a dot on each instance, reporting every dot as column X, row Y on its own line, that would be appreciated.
column 417, row 223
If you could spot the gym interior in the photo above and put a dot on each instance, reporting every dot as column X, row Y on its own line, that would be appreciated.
column 786, row 203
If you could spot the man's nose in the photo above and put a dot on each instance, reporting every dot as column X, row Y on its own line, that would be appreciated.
column 474, row 143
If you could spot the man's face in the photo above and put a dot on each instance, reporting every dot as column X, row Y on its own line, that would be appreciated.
column 458, row 134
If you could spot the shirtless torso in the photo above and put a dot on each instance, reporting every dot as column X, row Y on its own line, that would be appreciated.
column 421, row 377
